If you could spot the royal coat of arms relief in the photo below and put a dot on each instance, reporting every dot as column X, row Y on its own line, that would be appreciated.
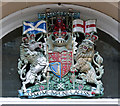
column 52, row 60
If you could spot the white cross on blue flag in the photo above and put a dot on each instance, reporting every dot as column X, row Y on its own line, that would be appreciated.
column 34, row 27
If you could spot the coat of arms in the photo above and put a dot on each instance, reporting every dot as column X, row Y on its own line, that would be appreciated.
column 57, row 57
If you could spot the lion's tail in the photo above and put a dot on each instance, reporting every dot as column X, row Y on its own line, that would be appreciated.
column 21, row 73
column 98, row 61
column 21, row 77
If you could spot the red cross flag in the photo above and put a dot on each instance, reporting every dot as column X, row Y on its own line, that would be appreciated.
column 78, row 26
column 84, row 26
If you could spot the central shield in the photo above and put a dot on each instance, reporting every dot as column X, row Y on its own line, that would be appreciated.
column 60, row 62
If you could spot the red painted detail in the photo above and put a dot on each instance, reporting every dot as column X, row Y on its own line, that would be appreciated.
column 91, row 25
column 87, row 34
column 70, row 81
column 92, row 93
column 55, row 33
column 32, row 35
column 85, row 47
column 78, row 25
column 59, row 24
column 72, row 71
column 65, row 58
column 80, row 87
column 67, row 26
column 40, row 46
column 25, row 38
column 63, row 33
column 92, row 38
column 75, row 71
column 84, row 26
column 41, row 88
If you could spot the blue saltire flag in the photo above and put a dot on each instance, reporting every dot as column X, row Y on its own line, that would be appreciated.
column 34, row 27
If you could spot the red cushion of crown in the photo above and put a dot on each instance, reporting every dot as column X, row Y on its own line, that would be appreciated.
column 55, row 33
column 64, row 33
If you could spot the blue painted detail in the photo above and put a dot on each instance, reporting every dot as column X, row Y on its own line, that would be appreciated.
column 76, row 15
column 59, row 20
column 41, row 16
column 34, row 31
column 20, row 93
column 54, row 68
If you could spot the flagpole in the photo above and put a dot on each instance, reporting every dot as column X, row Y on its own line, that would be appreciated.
column 40, row 37
column 73, row 74
column 48, row 77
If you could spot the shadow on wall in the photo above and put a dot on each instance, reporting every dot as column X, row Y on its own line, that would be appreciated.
column 106, row 45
